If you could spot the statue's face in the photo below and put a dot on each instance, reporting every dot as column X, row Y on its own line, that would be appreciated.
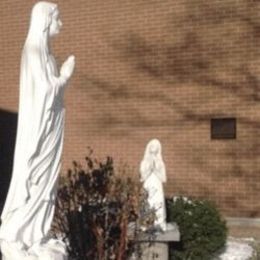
column 154, row 149
column 55, row 23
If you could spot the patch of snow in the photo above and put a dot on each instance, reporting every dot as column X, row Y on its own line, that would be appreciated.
column 186, row 199
column 237, row 251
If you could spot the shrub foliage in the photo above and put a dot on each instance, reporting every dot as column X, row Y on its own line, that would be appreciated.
column 203, row 232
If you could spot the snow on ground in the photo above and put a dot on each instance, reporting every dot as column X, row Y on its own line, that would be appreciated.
column 237, row 250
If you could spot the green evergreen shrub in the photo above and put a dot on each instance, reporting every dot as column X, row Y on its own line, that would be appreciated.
column 203, row 232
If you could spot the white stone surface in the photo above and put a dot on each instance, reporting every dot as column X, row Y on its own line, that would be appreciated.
column 29, row 207
column 237, row 250
column 153, row 174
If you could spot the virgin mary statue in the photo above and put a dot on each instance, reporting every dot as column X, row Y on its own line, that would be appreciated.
column 29, row 207
column 153, row 175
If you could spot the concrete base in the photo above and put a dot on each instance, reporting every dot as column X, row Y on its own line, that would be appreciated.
column 244, row 222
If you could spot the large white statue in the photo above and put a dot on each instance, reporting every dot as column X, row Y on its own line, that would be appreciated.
column 153, row 174
column 29, row 207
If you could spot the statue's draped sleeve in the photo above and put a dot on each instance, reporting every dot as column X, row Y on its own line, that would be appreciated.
column 144, row 170
column 160, row 170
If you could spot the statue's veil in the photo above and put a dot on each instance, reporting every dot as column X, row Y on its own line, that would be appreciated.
column 149, row 159
column 35, row 103
column 40, row 21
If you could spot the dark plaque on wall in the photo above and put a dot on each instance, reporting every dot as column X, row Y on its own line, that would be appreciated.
column 223, row 128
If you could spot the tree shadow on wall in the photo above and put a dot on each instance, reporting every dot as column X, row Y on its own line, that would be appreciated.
column 204, row 50
column 8, row 124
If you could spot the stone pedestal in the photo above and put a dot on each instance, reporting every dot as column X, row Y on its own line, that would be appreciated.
column 154, row 245
column 154, row 251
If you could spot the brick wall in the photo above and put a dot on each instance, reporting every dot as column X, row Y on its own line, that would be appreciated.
column 159, row 69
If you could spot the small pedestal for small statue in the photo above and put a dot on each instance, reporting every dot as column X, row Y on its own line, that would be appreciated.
column 155, row 244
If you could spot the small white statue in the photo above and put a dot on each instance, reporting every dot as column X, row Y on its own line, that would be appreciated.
column 29, row 207
column 152, row 170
